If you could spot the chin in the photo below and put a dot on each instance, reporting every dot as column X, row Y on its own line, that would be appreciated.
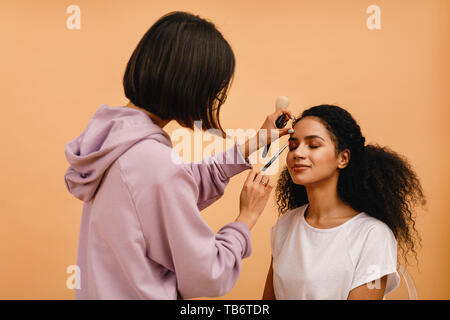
column 300, row 182
column 297, row 179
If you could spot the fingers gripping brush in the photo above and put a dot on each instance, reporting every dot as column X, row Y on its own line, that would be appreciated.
column 281, row 102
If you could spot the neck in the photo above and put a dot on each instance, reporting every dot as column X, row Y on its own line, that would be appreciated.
column 155, row 119
column 324, row 201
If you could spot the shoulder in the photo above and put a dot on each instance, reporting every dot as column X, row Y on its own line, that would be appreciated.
column 367, row 227
column 373, row 252
column 369, row 236
column 150, row 162
column 147, row 151
column 286, row 219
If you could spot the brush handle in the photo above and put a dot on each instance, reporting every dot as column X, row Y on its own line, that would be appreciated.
column 274, row 158
column 279, row 124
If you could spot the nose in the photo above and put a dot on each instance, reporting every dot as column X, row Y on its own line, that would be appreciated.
column 300, row 152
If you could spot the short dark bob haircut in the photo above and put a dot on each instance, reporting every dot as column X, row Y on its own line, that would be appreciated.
column 181, row 70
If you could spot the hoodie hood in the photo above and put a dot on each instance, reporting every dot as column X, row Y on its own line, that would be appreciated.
column 109, row 133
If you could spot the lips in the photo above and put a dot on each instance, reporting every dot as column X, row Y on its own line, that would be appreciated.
column 300, row 167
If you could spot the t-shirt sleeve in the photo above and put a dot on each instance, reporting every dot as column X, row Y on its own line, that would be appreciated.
column 377, row 258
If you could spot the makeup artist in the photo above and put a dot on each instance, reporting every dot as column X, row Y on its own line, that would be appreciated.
column 141, row 234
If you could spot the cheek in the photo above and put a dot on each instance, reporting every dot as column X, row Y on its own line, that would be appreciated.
column 290, row 162
column 320, row 158
column 289, row 159
column 324, row 159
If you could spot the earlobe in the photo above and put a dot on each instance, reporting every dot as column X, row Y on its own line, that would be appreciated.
column 342, row 165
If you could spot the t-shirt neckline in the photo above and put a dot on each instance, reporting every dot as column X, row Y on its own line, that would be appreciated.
column 327, row 229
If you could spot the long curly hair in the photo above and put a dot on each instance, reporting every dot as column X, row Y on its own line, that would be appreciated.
column 377, row 180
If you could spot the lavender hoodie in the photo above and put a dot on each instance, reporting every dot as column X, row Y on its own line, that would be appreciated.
column 141, row 234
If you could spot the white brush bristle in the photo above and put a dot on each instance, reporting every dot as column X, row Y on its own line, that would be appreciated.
column 282, row 102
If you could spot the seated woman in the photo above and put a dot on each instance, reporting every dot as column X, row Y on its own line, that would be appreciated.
column 344, row 206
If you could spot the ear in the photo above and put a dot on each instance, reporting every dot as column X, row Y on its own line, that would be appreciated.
column 343, row 158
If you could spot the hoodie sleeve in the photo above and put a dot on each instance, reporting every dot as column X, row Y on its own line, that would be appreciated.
column 205, row 264
column 213, row 174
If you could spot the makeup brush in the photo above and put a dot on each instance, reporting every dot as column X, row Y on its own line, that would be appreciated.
column 281, row 102
column 274, row 158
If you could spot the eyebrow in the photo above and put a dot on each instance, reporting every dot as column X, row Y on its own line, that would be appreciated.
column 307, row 138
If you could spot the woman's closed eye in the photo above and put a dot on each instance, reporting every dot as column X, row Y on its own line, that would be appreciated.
column 293, row 147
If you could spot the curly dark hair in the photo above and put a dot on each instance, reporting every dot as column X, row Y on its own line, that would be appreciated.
column 377, row 180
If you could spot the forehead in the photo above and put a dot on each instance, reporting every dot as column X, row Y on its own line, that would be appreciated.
column 310, row 126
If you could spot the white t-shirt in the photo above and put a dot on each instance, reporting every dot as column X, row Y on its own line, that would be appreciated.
column 311, row 263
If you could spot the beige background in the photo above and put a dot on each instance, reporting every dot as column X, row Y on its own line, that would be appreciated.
column 394, row 81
